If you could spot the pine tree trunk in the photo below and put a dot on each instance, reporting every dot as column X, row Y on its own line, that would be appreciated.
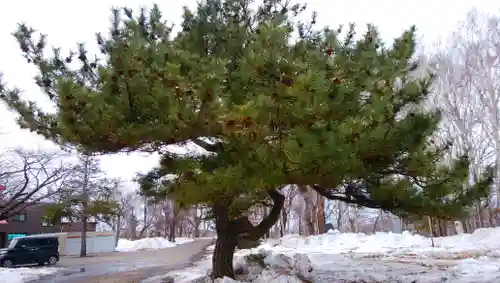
column 234, row 230
column 227, row 239
column 222, row 261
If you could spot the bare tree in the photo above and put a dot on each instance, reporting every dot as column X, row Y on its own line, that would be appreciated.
column 28, row 178
column 88, row 194
column 124, row 202
column 320, row 214
column 467, row 91
column 290, row 192
column 150, row 210
column 192, row 219
column 130, row 218
column 308, row 209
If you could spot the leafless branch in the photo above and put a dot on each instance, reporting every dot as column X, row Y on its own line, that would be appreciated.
column 29, row 178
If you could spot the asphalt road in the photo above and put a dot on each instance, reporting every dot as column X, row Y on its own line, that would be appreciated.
column 132, row 267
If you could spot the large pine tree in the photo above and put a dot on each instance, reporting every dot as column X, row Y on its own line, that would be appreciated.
column 274, row 102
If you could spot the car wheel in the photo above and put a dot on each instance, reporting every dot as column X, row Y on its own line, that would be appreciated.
column 7, row 263
column 52, row 260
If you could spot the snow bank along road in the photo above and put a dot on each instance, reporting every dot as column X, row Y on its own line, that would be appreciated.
column 126, row 267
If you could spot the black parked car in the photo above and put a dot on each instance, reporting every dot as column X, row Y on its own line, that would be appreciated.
column 31, row 250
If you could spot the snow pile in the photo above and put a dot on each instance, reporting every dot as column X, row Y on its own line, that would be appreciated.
column 24, row 274
column 267, row 266
column 333, row 242
column 155, row 243
column 262, row 267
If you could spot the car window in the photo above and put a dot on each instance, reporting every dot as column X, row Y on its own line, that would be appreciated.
column 13, row 243
column 46, row 241
column 33, row 242
column 20, row 243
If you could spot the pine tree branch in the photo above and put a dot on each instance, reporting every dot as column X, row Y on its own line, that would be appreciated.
column 263, row 227
column 352, row 198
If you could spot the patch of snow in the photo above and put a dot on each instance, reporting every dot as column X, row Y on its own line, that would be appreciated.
column 225, row 280
column 381, row 257
column 155, row 243
column 24, row 274
column 477, row 270
column 481, row 242
column 198, row 271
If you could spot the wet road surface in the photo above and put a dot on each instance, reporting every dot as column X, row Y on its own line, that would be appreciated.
column 126, row 267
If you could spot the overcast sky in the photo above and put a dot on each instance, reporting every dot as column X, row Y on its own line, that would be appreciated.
column 68, row 22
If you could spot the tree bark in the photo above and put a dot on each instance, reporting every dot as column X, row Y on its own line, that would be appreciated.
column 230, row 231
column 320, row 215
column 222, row 261
column 305, row 192
column 227, row 239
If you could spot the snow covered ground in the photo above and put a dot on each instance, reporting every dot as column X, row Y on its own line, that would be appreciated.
column 155, row 243
column 24, row 274
column 385, row 257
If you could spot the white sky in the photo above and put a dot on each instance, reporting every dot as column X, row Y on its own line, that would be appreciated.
column 69, row 22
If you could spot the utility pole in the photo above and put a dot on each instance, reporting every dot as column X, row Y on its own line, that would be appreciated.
column 85, row 200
